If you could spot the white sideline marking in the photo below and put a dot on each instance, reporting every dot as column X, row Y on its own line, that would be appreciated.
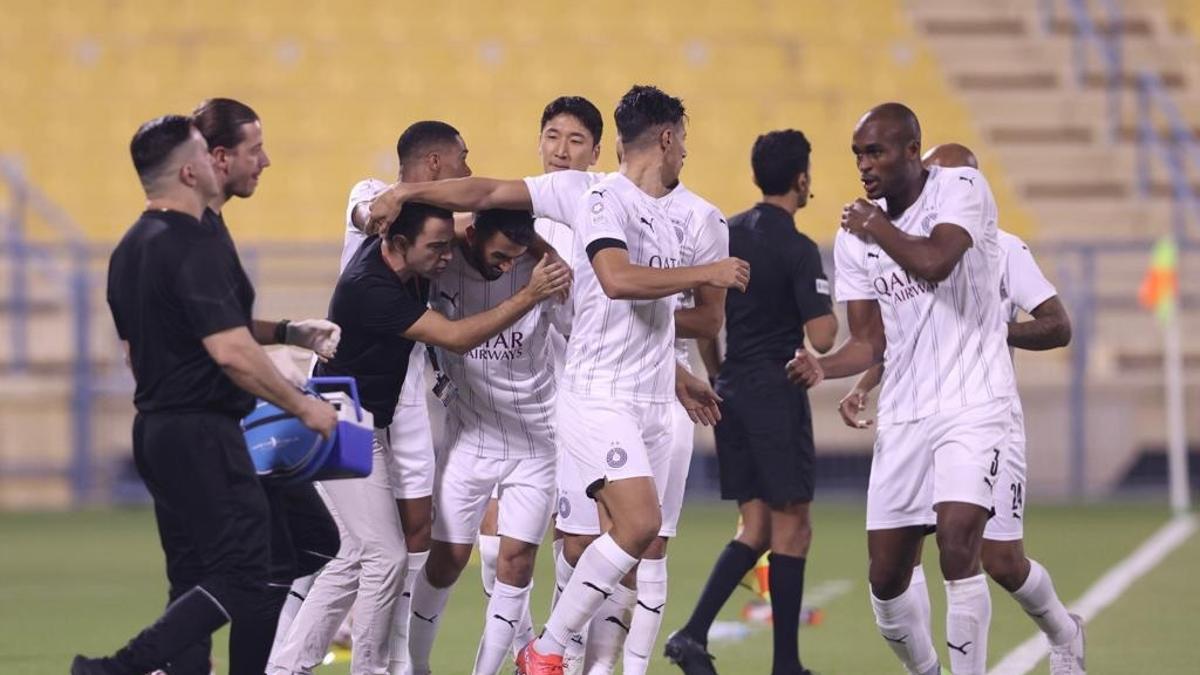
column 1104, row 592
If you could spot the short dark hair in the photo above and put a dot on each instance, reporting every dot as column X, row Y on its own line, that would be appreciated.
column 411, row 220
column 516, row 225
column 902, row 119
column 778, row 158
column 644, row 107
column 155, row 141
column 581, row 109
column 419, row 136
column 220, row 121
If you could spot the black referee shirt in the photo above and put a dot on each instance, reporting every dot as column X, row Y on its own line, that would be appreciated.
column 787, row 287
column 373, row 307
column 172, row 281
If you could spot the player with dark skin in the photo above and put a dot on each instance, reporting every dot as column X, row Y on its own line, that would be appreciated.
column 886, row 145
column 1004, row 561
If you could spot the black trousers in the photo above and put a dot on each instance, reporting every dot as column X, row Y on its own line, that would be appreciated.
column 215, row 527
column 303, row 537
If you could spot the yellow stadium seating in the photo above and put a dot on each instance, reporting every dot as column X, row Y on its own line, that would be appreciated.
column 335, row 83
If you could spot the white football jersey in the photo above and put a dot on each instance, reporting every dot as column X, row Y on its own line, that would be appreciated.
column 413, row 391
column 556, row 195
column 946, row 341
column 562, row 239
column 703, row 238
column 504, row 403
column 1022, row 285
column 621, row 349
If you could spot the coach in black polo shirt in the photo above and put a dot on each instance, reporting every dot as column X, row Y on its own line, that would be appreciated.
column 381, row 304
column 182, row 303
column 764, row 439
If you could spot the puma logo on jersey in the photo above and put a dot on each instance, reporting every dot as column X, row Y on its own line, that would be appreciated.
column 647, row 223
column 594, row 587
column 900, row 640
column 873, row 255
column 968, row 179
column 453, row 299
column 429, row 619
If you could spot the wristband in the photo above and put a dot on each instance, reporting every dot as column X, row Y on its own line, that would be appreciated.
column 281, row 329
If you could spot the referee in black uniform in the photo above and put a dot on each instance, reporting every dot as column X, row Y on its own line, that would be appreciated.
column 764, row 439
column 182, row 303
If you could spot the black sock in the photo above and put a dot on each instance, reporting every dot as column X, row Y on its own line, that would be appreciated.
column 731, row 566
column 786, row 581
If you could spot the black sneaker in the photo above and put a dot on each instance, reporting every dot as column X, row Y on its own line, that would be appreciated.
column 85, row 666
column 686, row 652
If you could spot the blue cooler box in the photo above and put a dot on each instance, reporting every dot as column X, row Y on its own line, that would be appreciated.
column 285, row 451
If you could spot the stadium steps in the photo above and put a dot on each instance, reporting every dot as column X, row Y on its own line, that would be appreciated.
column 1052, row 132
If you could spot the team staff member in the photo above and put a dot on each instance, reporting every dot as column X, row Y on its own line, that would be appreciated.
column 303, row 534
column 381, row 303
column 181, row 301
column 765, row 438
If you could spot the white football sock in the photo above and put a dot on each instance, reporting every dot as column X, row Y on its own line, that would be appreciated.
column 524, row 634
column 489, row 552
column 1037, row 597
column 291, row 606
column 608, row 630
column 398, row 645
column 900, row 623
column 562, row 576
column 647, row 616
column 558, row 584
column 596, row 577
column 500, row 625
column 428, row 603
column 968, row 615
column 920, row 592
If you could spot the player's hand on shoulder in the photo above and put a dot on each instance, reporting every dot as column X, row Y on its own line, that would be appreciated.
column 318, row 335
column 851, row 406
column 804, row 369
column 553, row 257
column 318, row 415
column 698, row 398
column 730, row 273
column 549, row 278
column 384, row 209
column 859, row 216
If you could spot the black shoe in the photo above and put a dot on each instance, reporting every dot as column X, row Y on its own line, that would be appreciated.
column 686, row 652
column 85, row 666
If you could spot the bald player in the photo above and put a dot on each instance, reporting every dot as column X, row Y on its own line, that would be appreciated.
column 916, row 264
column 1023, row 288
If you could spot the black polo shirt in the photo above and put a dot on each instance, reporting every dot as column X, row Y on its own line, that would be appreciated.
column 373, row 307
column 172, row 281
column 787, row 287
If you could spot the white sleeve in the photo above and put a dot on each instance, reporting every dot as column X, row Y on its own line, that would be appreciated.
column 1027, row 286
column 555, row 195
column 963, row 202
column 712, row 239
column 852, row 280
column 362, row 192
column 601, row 217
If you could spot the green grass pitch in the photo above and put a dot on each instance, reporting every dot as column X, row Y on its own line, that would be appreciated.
column 84, row 582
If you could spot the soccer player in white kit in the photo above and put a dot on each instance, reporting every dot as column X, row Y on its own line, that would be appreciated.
column 921, row 281
column 1023, row 288
column 427, row 150
column 614, row 409
column 499, row 436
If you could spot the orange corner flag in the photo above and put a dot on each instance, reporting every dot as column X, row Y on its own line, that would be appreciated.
column 1160, row 287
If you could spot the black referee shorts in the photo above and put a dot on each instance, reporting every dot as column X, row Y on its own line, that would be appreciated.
column 764, row 439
